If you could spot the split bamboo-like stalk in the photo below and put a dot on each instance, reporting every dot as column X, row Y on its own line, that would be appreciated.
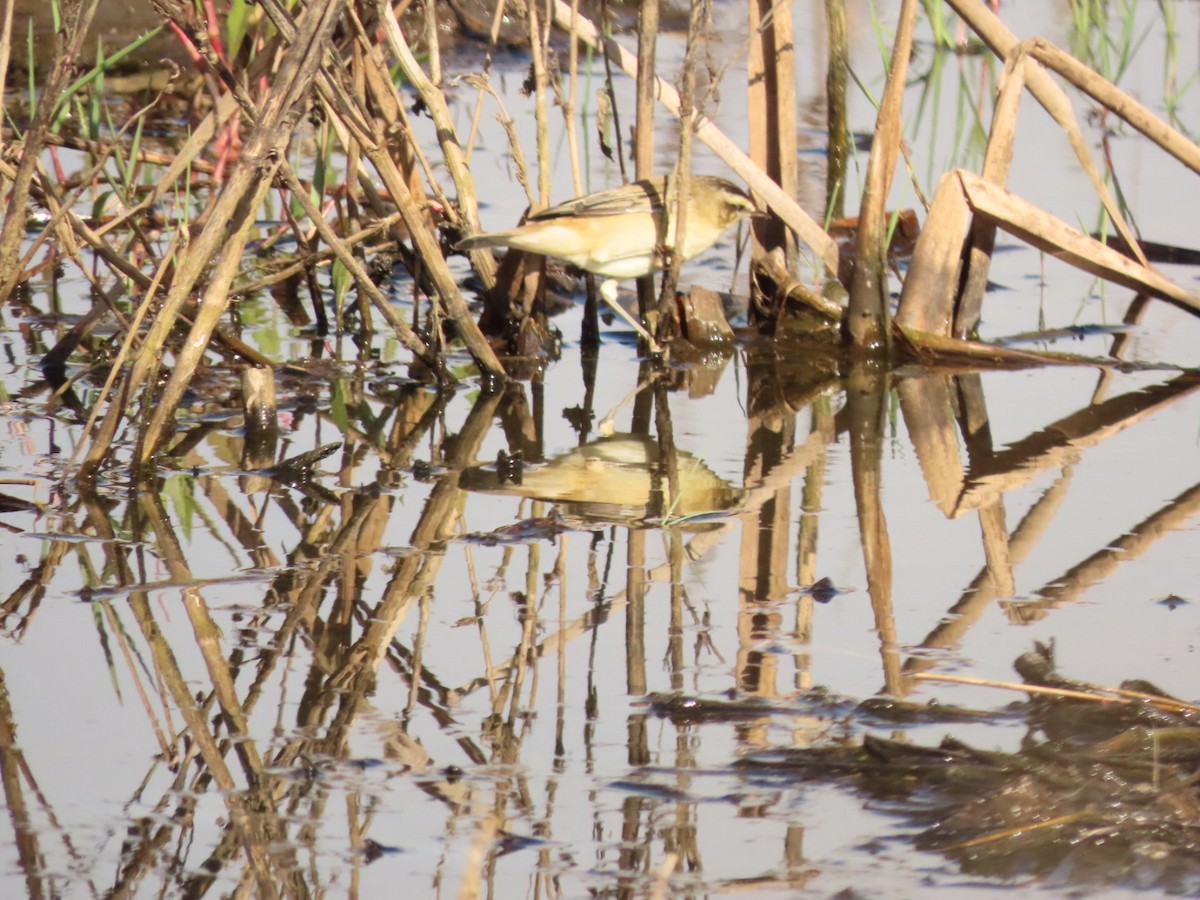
column 1044, row 231
column 867, row 320
column 928, row 302
column 837, row 156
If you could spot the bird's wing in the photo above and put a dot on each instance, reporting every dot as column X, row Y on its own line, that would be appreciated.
column 639, row 196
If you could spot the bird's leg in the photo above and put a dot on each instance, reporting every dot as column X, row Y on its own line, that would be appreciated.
column 608, row 293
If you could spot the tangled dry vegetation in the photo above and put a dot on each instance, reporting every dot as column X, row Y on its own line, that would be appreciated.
column 331, row 62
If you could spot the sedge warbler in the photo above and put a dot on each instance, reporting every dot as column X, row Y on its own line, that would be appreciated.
column 626, row 232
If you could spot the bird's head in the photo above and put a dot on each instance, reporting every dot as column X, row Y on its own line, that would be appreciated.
column 728, row 203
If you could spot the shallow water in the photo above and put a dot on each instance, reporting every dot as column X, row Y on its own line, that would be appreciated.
column 358, row 686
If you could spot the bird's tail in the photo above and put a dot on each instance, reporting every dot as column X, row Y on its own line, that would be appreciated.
column 481, row 241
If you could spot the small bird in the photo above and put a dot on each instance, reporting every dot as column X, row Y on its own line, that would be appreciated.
column 626, row 232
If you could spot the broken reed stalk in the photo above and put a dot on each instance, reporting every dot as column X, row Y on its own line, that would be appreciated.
column 966, row 205
column 767, row 190
column 996, row 165
column 867, row 318
column 539, row 45
column 926, row 303
column 76, row 18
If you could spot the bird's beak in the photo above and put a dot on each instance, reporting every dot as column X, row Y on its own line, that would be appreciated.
column 759, row 214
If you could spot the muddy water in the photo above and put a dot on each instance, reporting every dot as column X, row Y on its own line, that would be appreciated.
column 412, row 674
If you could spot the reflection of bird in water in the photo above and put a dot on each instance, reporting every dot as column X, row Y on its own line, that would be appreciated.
column 613, row 479
column 625, row 232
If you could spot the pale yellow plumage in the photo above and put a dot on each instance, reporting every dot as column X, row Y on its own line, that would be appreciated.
column 625, row 232
column 621, row 233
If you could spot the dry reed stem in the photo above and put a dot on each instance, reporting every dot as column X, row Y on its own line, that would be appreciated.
column 5, row 51
column 931, row 283
column 100, row 147
column 940, row 350
column 783, row 205
column 772, row 110
column 643, row 123
column 568, row 101
column 663, row 322
column 867, row 316
column 996, row 165
column 452, row 153
column 539, row 42
column 240, row 199
column 1053, row 99
column 341, row 251
column 352, row 123
column 1039, row 228
column 1117, row 101
column 836, row 77
column 1112, row 695
column 643, row 129
column 76, row 17
column 477, row 113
